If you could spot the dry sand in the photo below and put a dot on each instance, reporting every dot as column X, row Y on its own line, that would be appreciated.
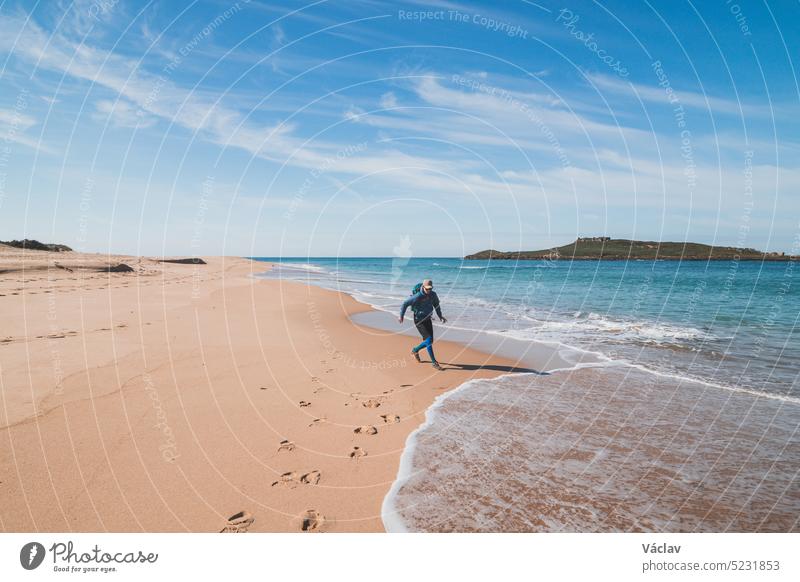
column 174, row 397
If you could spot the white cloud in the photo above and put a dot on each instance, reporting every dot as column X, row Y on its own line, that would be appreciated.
column 692, row 99
column 160, row 97
column 121, row 113
column 354, row 113
column 608, row 162
column 278, row 35
column 82, row 17
column 15, row 120
column 388, row 100
column 14, row 124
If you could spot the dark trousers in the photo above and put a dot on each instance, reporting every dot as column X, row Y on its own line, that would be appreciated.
column 425, row 329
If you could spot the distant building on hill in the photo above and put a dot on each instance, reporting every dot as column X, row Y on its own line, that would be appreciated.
column 594, row 238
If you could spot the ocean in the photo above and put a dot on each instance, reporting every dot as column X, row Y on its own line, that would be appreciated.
column 678, row 408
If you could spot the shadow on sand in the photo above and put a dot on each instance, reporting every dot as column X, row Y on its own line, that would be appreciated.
column 504, row 369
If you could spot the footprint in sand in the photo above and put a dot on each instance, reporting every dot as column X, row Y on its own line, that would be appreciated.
column 291, row 479
column 357, row 453
column 318, row 421
column 311, row 478
column 406, row 385
column 371, row 403
column 314, row 379
column 304, row 404
column 390, row 418
column 286, row 445
column 368, row 430
column 287, row 480
column 238, row 523
column 311, row 520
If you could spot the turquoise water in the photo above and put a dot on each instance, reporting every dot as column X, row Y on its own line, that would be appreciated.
column 685, row 420
column 727, row 323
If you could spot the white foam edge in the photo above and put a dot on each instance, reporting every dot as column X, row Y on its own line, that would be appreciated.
column 392, row 522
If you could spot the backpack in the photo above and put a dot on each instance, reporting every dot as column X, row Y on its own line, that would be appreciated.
column 414, row 307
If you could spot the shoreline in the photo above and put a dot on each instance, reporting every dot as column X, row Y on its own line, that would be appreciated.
column 526, row 350
column 161, row 400
column 392, row 522
column 204, row 398
column 443, row 483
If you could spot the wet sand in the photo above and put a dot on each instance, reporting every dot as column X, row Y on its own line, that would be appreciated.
column 611, row 449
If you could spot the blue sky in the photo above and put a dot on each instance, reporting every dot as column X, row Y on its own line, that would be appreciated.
column 354, row 128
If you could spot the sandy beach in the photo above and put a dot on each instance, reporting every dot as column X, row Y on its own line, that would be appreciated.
column 176, row 396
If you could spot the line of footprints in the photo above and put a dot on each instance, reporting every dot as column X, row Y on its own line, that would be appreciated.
column 312, row 520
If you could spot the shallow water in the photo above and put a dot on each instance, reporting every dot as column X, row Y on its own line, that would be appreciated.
column 689, row 422
column 609, row 449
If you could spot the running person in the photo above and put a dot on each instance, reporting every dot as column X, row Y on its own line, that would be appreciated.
column 423, row 302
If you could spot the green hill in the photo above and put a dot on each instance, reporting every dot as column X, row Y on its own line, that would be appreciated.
column 605, row 248
column 35, row 245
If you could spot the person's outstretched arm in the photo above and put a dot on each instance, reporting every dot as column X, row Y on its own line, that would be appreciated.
column 408, row 303
column 442, row 318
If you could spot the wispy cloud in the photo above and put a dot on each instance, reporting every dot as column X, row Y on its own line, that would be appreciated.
column 122, row 113
column 14, row 126
column 488, row 135
column 80, row 17
column 650, row 94
column 388, row 100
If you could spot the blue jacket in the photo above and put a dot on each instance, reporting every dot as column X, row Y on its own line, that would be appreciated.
column 422, row 304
